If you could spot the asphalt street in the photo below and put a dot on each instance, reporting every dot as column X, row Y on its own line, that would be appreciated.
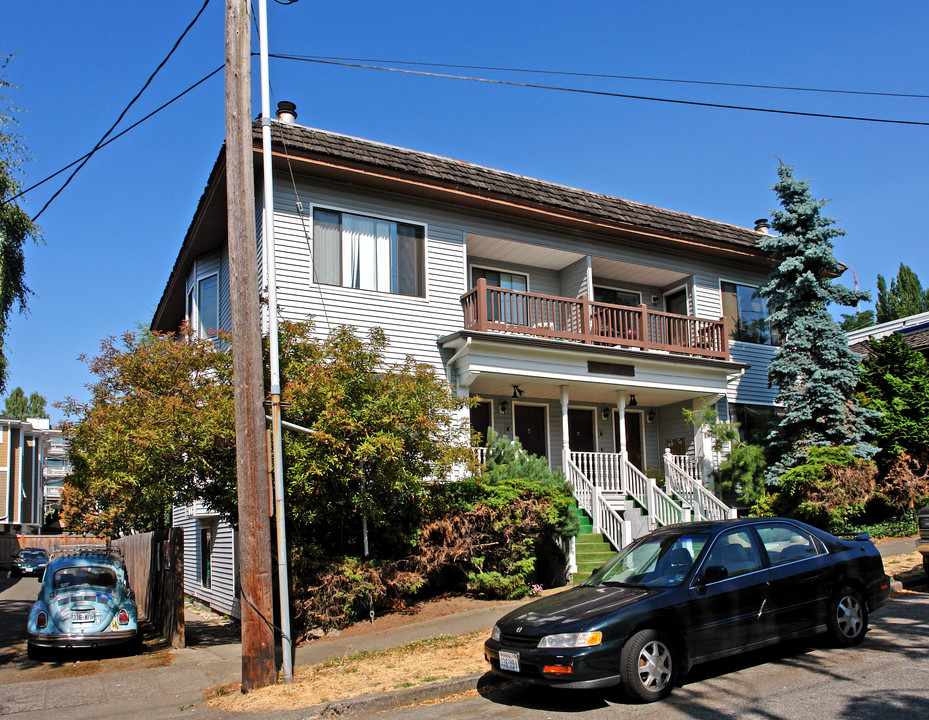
column 887, row 676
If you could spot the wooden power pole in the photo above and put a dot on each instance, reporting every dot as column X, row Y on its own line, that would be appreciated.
column 258, row 667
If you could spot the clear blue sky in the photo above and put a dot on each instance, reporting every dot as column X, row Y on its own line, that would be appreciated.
column 112, row 236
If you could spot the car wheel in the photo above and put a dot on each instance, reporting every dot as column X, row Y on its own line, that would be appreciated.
column 648, row 667
column 848, row 617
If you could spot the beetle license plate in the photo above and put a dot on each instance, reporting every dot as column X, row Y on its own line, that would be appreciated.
column 509, row 661
column 82, row 616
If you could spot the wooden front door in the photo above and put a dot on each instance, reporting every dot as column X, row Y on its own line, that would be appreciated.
column 633, row 438
column 529, row 424
column 581, row 430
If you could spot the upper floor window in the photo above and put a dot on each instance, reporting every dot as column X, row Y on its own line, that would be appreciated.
column 612, row 296
column 203, row 306
column 747, row 315
column 368, row 253
column 500, row 279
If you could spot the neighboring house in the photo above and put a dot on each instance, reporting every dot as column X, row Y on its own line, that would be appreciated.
column 23, row 446
column 914, row 329
column 585, row 323
column 56, row 468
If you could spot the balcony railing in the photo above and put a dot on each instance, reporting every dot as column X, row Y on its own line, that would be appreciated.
column 488, row 308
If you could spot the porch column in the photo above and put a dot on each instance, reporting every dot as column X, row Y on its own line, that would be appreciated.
column 565, row 436
column 703, row 442
column 621, row 404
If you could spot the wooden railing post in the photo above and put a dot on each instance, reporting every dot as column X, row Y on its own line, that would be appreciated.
column 644, row 334
column 585, row 319
column 481, row 305
column 724, row 337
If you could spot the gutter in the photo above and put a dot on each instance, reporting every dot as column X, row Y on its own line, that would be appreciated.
column 461, row 351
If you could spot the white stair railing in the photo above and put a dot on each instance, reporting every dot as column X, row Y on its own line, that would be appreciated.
column 604, row 518
column 660, row 508
column 705, row 505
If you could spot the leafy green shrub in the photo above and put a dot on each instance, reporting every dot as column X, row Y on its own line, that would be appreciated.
column 902, row 526
column 743, row 471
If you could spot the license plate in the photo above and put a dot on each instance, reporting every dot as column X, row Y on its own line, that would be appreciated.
column 82, row 616
column 509, row 661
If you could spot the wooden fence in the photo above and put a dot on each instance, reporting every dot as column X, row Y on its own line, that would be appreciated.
column 155, row 562
column 10, row 544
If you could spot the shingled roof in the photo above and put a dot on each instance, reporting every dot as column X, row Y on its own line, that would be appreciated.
column 309, row 142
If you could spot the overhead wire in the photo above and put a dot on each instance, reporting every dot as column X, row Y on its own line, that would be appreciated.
column 604, row 93
column 613, row 77
column 123, row 113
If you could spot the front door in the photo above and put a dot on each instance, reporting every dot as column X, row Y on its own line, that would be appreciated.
column 480, row 421
column 581, row 430
column 529, row 424
column 633, row 438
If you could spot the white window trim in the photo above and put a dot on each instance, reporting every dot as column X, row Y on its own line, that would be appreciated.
column 196, row 291
column 686, row 288
column 472, row 267
column 332, row 207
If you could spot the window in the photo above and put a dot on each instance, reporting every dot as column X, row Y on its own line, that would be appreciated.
column 786, row 543
column 207, row 536
column 511, row 309
column 208, row 306
column 616, row 297
column 746, row 314
column 755, row 421
column 735, row 552
column 368, row 253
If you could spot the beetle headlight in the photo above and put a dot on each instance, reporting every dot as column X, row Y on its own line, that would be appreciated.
column 568, row 640
column 495, row 633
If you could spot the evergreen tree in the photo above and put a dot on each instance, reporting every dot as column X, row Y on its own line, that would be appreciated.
column 20, row 407
column 904, row 298
column 814, row 369
column 15, row 225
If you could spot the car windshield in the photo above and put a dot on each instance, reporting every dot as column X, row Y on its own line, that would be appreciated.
column 76, row 576
column 33, row 555
column 661, row 561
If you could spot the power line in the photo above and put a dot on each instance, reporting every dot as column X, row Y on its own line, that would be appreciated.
column 604, row 93
column 123, row 113
column 120, row 134
column 609, row 76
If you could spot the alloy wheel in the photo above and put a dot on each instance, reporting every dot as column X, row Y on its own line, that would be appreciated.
column 849, row 616
column 655, row 665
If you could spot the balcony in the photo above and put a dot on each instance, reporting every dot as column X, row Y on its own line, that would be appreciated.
column 487, row 308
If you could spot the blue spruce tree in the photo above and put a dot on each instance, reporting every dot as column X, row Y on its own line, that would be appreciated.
column 814, row 369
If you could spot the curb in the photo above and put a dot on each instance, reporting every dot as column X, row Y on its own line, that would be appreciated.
column 395, row 699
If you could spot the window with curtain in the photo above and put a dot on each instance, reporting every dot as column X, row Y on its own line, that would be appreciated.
column 368, row 253
column 746, row 315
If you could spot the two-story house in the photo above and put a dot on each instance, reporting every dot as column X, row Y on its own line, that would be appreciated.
column 584, row 323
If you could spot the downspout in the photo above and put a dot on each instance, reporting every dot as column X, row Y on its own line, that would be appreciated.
column 461, row 351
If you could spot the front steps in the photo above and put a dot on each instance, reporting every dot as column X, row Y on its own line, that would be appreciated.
column 591, row 549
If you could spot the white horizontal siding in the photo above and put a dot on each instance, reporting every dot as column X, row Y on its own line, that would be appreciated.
column 752, row 388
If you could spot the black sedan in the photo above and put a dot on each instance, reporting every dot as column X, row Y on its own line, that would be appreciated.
column 687, row 594
column 29, row 561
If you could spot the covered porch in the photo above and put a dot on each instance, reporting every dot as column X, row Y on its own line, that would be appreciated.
column 616, row 429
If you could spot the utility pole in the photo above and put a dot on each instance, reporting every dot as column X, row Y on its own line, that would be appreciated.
column 258, row 668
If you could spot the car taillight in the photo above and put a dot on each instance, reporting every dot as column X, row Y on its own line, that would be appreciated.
column 41, row 620
column 123, row 617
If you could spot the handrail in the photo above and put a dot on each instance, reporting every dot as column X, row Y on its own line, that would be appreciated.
column 659, row 506
column 488, row 308
column 705, row 505
column 605, row 519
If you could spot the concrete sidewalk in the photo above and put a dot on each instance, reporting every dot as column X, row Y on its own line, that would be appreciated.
column 177, row 690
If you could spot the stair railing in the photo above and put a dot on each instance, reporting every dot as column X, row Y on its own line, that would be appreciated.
column 660, row 508
column 604, row 518
column 705, row 505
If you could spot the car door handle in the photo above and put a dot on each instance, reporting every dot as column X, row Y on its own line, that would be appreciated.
column 761, row 609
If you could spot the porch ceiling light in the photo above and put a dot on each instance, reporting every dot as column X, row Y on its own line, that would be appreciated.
column 632, row 401
column 517, row 393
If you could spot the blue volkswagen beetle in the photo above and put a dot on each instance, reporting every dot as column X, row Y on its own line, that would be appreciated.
column 84, row 601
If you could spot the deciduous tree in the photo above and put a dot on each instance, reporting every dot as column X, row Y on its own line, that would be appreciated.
column 16, row 227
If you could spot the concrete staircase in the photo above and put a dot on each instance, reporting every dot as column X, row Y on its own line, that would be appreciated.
column 591, row 549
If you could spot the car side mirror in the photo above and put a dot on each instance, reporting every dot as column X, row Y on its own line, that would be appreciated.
column 713, row 573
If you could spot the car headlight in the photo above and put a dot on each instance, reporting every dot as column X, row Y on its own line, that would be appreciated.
column 495, row 633
column 567, row 640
